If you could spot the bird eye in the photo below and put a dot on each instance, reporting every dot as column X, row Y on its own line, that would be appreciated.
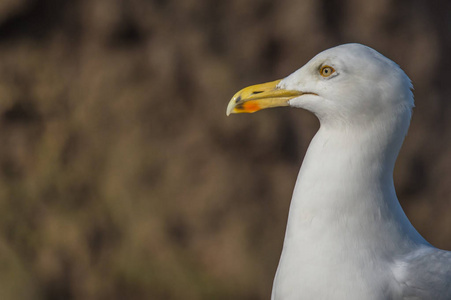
column 326, row 71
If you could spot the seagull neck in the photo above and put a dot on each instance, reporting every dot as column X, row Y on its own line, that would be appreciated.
column 354, row 153
column 346, row 180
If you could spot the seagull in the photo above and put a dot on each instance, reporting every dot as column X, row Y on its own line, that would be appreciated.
column 347, row 236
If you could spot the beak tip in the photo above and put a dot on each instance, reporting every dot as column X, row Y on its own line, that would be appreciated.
column 230, row 107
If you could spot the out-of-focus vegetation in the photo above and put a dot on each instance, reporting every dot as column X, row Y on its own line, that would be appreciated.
column 121, row 177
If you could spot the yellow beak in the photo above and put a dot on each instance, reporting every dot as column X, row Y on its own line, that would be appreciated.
column 260, row 96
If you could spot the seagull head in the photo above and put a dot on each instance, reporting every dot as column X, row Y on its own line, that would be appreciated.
column 351, row 84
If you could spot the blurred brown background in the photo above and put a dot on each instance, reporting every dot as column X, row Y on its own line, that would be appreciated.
column 122, row 178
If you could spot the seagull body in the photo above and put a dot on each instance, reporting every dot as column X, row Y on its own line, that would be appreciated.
column 347, row 236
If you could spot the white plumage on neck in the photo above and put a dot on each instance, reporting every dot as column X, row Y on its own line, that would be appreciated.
column 345, row 223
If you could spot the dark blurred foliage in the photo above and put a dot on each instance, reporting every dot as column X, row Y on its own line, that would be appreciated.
column 121, row 177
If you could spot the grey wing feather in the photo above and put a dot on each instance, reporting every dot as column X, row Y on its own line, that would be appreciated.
column 425, row 274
